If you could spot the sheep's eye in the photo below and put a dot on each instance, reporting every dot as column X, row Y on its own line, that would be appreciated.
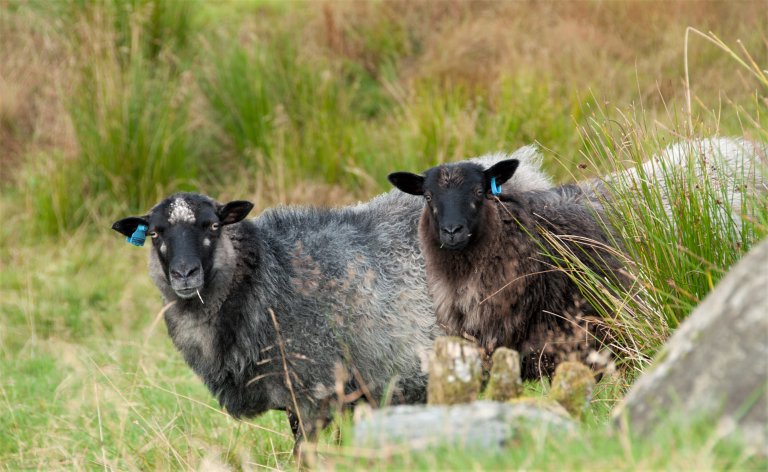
column 479, row 192
column 428, row 197
column 215, row 226
column 153, row 234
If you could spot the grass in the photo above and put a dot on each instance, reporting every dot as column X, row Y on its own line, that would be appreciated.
column 106, row 106
column 690, row 448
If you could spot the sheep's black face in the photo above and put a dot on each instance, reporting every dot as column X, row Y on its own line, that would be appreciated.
column 455, row 195
column 185, row 230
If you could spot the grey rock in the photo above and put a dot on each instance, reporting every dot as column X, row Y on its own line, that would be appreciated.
column 715, row 367
column 480, row 425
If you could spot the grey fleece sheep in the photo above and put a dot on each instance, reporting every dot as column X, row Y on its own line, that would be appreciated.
column 347, row 288
column 486, row 272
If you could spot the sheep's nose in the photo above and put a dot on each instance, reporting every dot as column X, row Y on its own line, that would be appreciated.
column 451, row 230
column 184, row 272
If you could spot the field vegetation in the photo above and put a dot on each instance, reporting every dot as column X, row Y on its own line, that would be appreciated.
column 107, row 106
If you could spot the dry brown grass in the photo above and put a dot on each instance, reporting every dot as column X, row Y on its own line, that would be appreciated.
column 35, row 78
column 599, row 44
column 622, row 51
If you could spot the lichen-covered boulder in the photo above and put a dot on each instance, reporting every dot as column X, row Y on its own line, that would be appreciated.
column 504, row 382
column 715, row 367
column 455, row 372
column 572, row 387
column 482, row 425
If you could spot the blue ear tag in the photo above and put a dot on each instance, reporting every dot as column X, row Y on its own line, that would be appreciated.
column 495, row 189
column 139, row 236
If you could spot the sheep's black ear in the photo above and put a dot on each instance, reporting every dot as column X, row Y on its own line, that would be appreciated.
column 407, row 182
column 127, row 226
column 502, row 171
column 233, row 212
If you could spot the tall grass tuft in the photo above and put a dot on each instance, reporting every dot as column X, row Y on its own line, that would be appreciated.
column 278, row 111
column 130, row 118
column 682, row 217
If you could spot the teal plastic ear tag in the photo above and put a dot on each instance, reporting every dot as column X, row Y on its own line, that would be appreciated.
column 139, row 236
column 495, row 189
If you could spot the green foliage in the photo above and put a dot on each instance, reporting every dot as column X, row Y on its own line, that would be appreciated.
column 275, row 109
column 151, row 28
column 133, row 135
column 674, row 223
column 130, row 114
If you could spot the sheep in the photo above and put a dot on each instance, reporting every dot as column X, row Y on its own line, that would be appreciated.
column 485, row 271
column 299, row 308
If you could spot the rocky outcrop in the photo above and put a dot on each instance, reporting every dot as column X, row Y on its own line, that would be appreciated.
column 454, row 418
column 715, row 367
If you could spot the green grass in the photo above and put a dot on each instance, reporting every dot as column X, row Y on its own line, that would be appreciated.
column 122, row 404
column 281, row 101
column 674, row 448
column 91, row 378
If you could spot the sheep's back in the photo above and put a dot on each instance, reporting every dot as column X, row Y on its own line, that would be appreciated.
column 357, row 279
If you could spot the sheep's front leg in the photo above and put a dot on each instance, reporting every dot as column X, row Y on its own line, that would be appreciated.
column 305, row 426
column 293, row 421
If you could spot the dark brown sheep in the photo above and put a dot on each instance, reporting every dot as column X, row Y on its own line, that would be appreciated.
column 487, row 268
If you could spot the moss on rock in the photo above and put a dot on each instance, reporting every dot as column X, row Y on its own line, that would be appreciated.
column 541, row 403
column 504, row 383
column 455, row 372
column 572, row 387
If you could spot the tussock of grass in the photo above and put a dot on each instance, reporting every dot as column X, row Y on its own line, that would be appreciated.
column 677, row 240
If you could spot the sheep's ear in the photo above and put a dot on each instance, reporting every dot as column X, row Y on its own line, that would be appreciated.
column 502, row 171
column 234, row 211
column 407, row 182
column 127, row 226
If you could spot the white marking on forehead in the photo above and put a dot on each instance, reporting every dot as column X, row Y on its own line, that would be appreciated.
column 181, row 212
column 206, row 242
column 163, row 248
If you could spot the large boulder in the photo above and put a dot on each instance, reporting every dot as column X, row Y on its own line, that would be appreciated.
column 715, row 367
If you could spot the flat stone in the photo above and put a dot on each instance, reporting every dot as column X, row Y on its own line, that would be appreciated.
column 480, row 425
column 544, row 404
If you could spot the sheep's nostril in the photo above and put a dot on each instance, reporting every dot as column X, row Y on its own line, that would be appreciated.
column 452, row 230
column 184, row 272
